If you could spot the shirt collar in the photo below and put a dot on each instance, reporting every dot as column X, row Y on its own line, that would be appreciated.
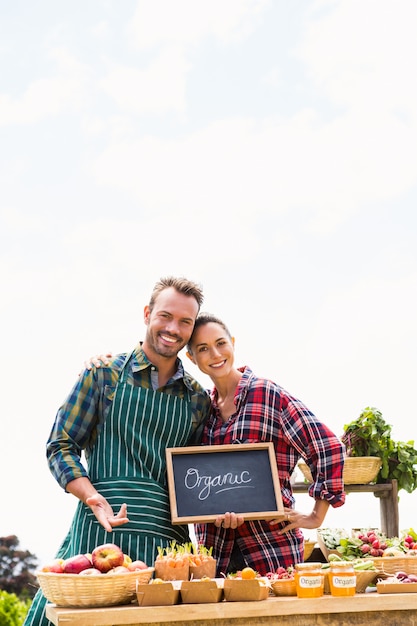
column 140, row 362
column 241, row 389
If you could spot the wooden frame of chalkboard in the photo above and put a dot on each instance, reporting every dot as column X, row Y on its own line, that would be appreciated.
column 207, row 481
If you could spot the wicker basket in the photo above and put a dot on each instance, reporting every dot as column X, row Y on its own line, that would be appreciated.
column 392, row 564
column 72, row 590
column 358, row 470
column 363, row 580
column 324, row 549
column 284, row 587
column 308, row 549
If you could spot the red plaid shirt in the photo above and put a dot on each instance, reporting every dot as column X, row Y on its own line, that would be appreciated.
column 266, row 412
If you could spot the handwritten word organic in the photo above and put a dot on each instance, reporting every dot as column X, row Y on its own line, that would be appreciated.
column 218, row 483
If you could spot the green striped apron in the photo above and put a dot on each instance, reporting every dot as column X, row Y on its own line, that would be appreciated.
column 127, row 464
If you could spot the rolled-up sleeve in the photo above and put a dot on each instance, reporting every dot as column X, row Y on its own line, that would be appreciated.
column 320, row 448
column 74, row 429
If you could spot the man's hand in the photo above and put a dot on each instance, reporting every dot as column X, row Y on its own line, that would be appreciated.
column 104, row 513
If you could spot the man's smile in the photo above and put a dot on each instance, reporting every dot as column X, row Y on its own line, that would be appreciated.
column 168, row 338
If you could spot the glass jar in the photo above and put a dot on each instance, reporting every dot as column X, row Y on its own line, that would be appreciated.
column 309, row 579
column 342, row 578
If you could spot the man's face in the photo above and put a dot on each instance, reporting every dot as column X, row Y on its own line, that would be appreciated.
column 170, row 323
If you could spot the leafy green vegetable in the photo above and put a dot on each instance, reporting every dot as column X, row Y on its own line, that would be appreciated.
column 370, row 435
column 331, row 537
column 350, row 548
column 359, row 564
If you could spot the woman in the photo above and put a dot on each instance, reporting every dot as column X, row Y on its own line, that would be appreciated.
column 247, row 409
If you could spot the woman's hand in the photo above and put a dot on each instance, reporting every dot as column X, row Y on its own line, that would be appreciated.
column 229, row 520
column 98, row 360
column 296, row 519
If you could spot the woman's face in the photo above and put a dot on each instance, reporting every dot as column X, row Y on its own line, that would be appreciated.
column 212, row 350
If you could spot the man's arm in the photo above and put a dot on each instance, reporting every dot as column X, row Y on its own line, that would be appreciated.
column 74, row 430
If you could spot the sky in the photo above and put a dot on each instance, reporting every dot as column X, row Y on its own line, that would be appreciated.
column 265, row 149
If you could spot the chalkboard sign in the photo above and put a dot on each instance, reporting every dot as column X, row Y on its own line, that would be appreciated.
column 207, row 481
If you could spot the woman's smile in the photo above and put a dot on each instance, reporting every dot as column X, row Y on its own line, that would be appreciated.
column 219, row 364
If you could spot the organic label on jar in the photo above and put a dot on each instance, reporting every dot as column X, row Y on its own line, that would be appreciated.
column 309, row 581
column 343, row 581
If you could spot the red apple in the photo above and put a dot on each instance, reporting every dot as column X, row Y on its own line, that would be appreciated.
column 90, row 571
column 107, row 556
column 76, row 564
column 137, row 565
column 56, row 566
column 120, row 569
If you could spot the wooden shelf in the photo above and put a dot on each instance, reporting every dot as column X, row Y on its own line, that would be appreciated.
column 388, row 502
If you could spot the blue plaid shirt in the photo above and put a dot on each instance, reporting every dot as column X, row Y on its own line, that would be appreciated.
column 75, row 427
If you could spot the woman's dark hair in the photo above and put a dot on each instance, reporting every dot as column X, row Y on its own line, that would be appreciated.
column 203, row 319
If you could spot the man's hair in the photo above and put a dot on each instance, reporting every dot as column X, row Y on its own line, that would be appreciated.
column 182, row 285
column 203, row 319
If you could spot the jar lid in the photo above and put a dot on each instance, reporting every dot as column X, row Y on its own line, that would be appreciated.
column 341, row 564
column 308, row 566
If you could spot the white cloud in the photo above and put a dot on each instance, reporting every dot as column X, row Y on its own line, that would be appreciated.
column 362, row 53
column 101, row 30
column 330, row 168
column 273, row 78
column 115, row 127
column 47, row 97
column 158, row 88
column 188, row 22
column 14, row 221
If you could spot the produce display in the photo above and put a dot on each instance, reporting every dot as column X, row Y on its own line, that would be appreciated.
column 246, row 585
column 331, row 537
column 368, row 543
column 247, row 573
column 365, row 544
column 282, row 573
column 359, row 565
column 402, row 577
column 400, row 582
column 184, row 561
column 187, row 572
column 282, row 581
column 106, row 577
column 370, row 435
column 105, row 559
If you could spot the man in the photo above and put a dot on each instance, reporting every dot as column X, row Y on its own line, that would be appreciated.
column 123, row 417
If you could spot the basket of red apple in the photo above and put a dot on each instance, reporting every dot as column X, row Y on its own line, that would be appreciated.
column 106, row 577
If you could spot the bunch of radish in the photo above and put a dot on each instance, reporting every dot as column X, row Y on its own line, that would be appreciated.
column 410, row 541
column 282, row 573
column 402, row 577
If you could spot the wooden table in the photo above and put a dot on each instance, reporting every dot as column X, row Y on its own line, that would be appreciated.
column 367, row 609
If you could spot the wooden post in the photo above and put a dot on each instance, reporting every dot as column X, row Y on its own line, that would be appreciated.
column 389, row 514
